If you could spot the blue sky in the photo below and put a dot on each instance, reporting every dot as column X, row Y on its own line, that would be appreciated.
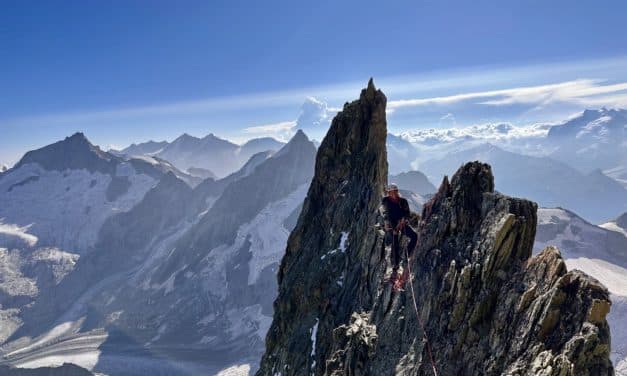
column 130, row 71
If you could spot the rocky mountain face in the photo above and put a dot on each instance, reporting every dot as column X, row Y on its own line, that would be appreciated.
column 484, row 304
column 551, row 183
column 600, row 251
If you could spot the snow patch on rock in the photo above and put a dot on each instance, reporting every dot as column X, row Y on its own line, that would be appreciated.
column 267, row 233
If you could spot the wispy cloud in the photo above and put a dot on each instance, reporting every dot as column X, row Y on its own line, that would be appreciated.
column 281, row 131
column 425, row 85
column 582, row 91
column 525, row 93
column 271, row 128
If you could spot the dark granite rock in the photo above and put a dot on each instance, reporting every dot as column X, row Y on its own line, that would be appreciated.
column 487, row 306
column 73, row 153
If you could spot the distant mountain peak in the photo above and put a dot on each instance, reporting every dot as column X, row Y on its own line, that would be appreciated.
column 371, row 89
column 212, row 136
column 78, row 136
column 73, row 152
column 299, row 136
column 298, row 142
column 621, row 221
column 185, row 137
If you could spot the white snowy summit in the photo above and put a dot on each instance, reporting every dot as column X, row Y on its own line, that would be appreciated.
column 592, row 140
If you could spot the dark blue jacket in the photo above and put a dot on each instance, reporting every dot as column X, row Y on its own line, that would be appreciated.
column 392, row 212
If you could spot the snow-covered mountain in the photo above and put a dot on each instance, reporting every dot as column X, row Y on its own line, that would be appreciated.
column 54, row 205
column 210, row 153
column 600, row 251
column 595, row 139
column 182, row 278
column 549, row 182
column 62, row 194
column 591, row 140
column 144, row 148
column 618, row 225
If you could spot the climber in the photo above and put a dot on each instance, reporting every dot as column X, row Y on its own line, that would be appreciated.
column 395, row 212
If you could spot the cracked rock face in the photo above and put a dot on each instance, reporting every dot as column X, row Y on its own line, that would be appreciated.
column 487, row 306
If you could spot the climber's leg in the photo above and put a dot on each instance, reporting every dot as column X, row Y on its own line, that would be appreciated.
column 413, row 239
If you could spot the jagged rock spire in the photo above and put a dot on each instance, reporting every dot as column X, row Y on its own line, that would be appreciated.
column 332, row 233
column 488, row 307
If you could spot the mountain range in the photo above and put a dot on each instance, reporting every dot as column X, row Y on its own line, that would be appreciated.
column 206, row 157
column 131, row 263
column 592, row 139
column 155, row 266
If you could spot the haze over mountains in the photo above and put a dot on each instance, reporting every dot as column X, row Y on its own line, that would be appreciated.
column 214, row 155
column 580, row 164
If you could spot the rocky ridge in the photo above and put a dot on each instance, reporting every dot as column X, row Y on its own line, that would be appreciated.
column 488, row 307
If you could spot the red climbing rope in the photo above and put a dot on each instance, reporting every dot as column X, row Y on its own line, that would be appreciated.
column 422, row 325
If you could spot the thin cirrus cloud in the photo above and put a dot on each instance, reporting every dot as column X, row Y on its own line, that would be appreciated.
column 581, row 91
column 281, row 130
column 521, row 94
column 524, row 84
